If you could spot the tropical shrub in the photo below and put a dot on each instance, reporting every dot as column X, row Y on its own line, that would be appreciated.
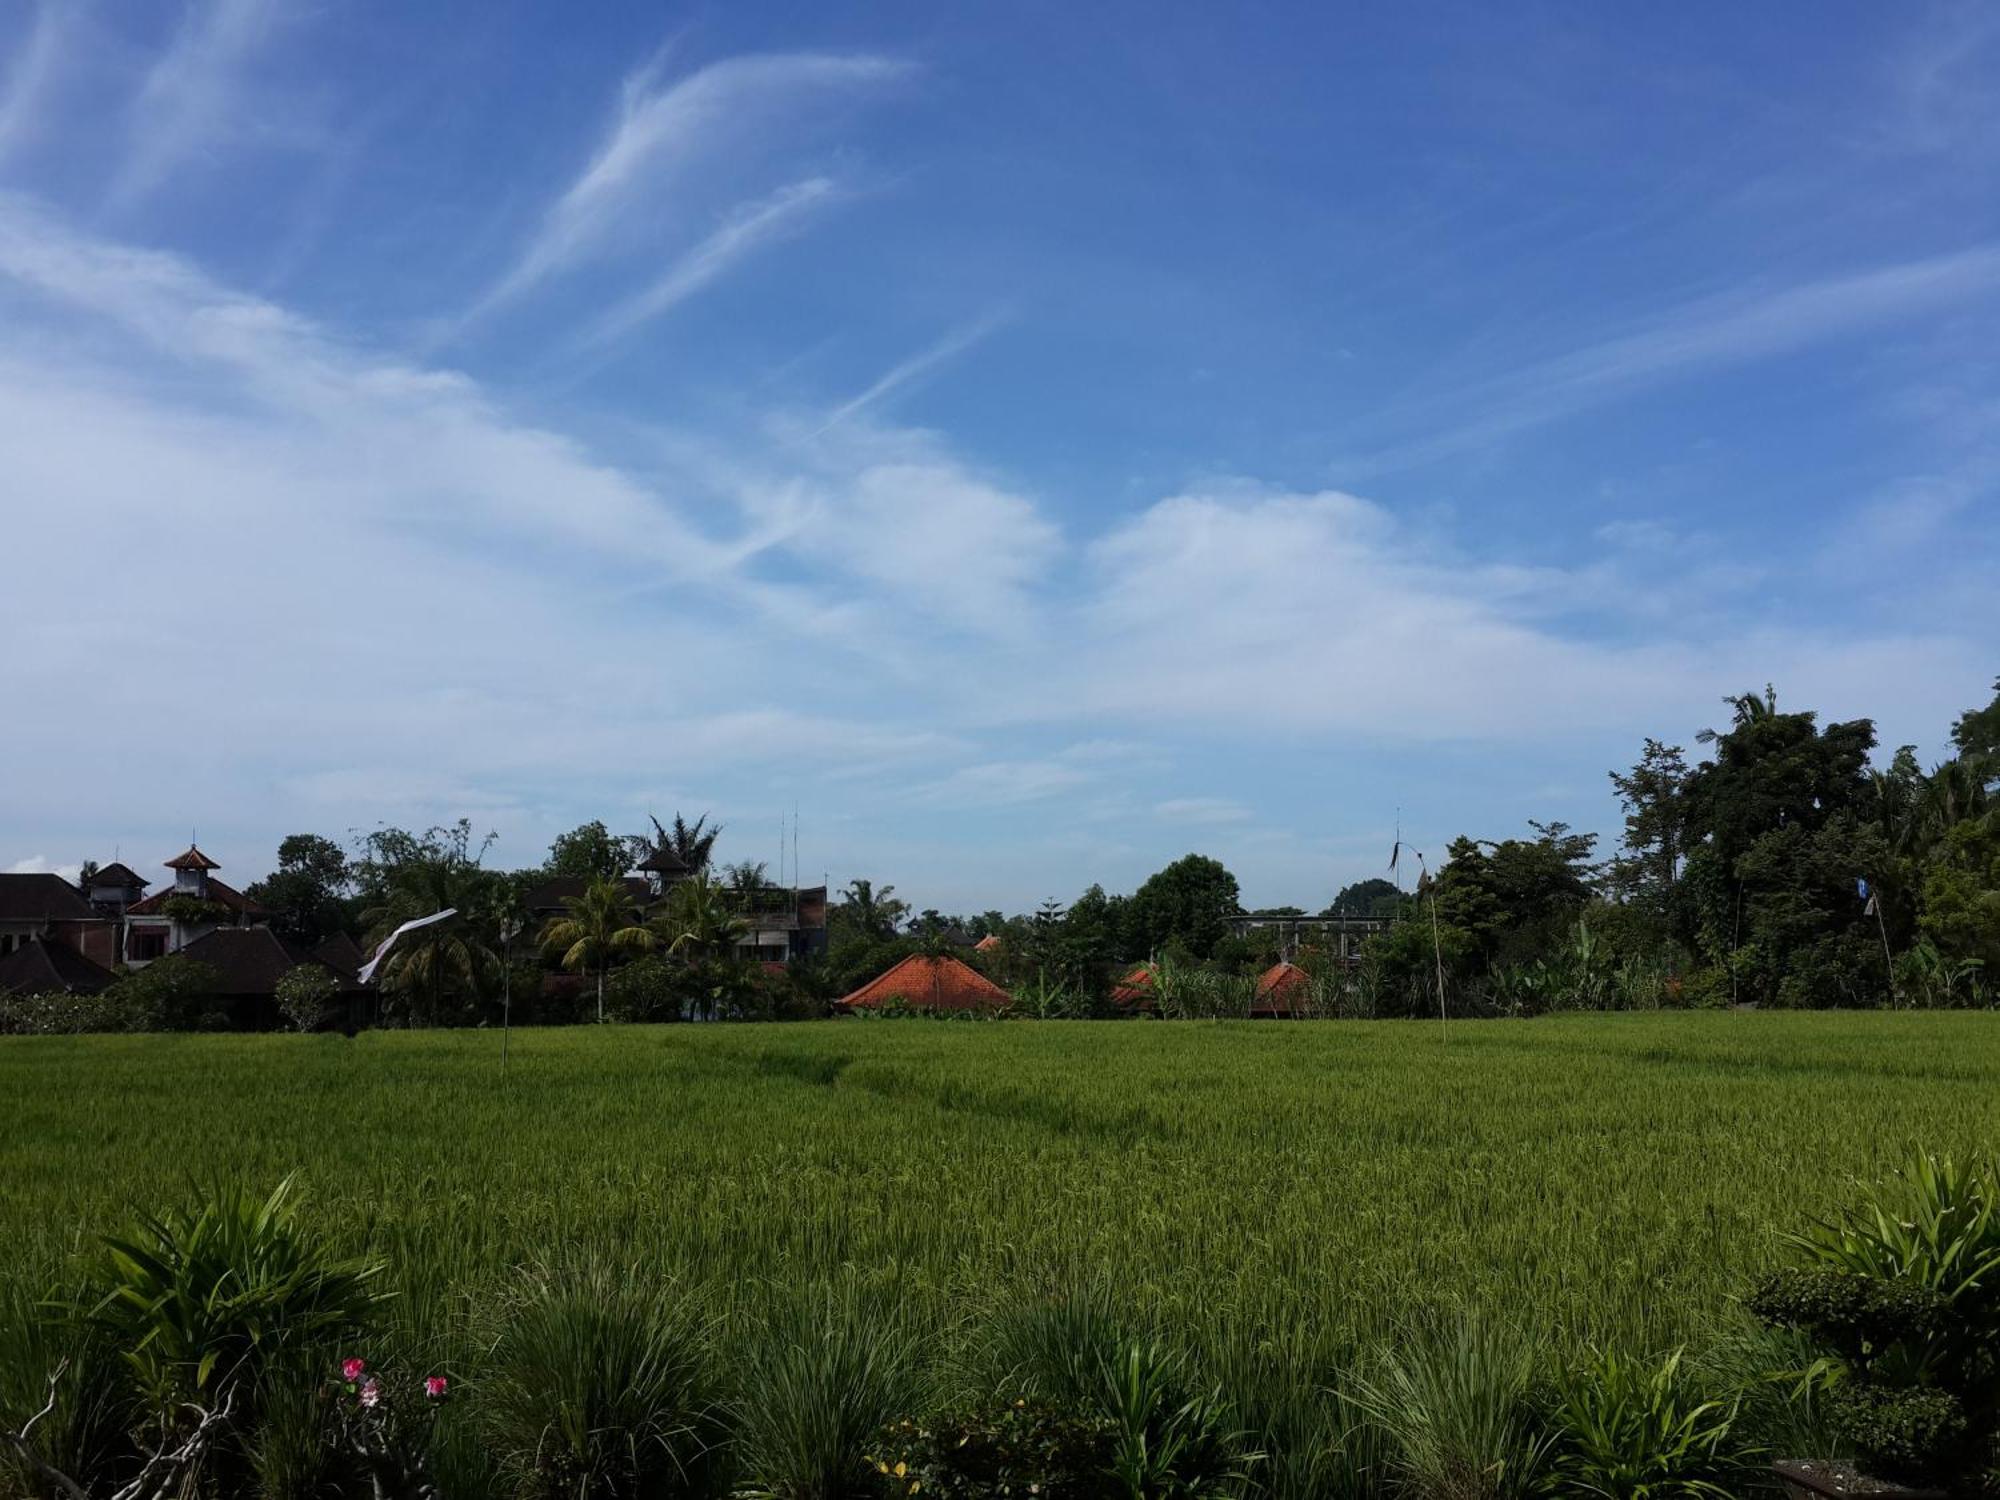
column 305, row 996
column 1014, row 1448
column 1624, row 1429
column 196, row 1300
column 1901, row 1293
column 58, row 1013
column 175, row 993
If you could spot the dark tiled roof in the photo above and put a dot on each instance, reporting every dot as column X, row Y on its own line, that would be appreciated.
column 219, row 892
column 341, row 954
column 931, row 984
column 118, row 874
column 42, row 898
column 552, row 895
column 194, row 859
column 39, row 966
column 664, row 862
column 250, row 960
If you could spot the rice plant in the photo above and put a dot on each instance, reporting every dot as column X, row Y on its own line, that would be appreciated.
column 821, row 1374
column 600, row 1385
column 1453, row 1407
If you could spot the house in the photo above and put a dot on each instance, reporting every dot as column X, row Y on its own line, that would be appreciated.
column 781, row 924
column 923, row 983
column 47, row 906
column 42, row 966
column 1339, row 937
column 248, row 963
column 1135, row 992
column 550, row 899
column 989, row 944
column 1284, row 991
column 196, row 905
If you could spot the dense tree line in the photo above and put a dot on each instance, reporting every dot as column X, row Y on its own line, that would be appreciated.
column 1781, row 866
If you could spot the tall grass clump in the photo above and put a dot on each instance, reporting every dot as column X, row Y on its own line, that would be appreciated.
column 47, row 1357
column 821, row 1373
column 1454, row 1407
column 601, row 1385
column 1170, row 1434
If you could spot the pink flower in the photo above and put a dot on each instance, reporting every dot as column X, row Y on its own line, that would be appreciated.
column 434, row 1386
column 371, row 1392
column 353, row 1369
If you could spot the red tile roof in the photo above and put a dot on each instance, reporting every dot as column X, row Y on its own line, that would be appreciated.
column 1135, row 990
column 1282, row 990
column 931, row 984
column 987, row 944
column 194, row 859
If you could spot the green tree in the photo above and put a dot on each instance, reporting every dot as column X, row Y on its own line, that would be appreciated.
column 1647, row 871
column 1191, row 901
column 402, row 876
column 693, row 844
column 700, row 925
column 306, row 893
column 1373, row 897
column 865, row 914
column 592, row 852
column 600, row 924
column 1977, row 736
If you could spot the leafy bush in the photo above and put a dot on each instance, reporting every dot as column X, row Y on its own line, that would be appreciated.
column 601, row 1385
column 652, row 987
column 1901, row 1292
column 174, row 993
column 1015, row 1449
column 57, row 1013
column 305, row 995
column 195, row 1300
column 1625, row 1430
column 1169, row 1435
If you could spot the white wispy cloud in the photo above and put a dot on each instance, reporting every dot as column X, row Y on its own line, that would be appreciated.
column 918, row 365
column 662, row 132
column 26, row 80
column 1730, row 328
column 190, row 95
column 377, row 591
column 747, row 228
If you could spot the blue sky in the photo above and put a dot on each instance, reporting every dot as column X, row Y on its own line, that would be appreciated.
column 1035, row 441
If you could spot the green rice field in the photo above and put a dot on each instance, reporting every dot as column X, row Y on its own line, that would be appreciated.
column 1594, row 1176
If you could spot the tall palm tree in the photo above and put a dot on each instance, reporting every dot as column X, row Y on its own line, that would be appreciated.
column 690, row 843
column 875, row 912
column 699, row 921
column 602, row 923
column 432, row 963
column 1745, row 708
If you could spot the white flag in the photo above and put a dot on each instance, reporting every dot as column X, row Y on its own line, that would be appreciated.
column 368, row 969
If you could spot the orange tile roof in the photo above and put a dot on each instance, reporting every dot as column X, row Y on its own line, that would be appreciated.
column 194, row 859
column 931, row 984
column 987, row 944
column 1281, row 991
column 1135, row 990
